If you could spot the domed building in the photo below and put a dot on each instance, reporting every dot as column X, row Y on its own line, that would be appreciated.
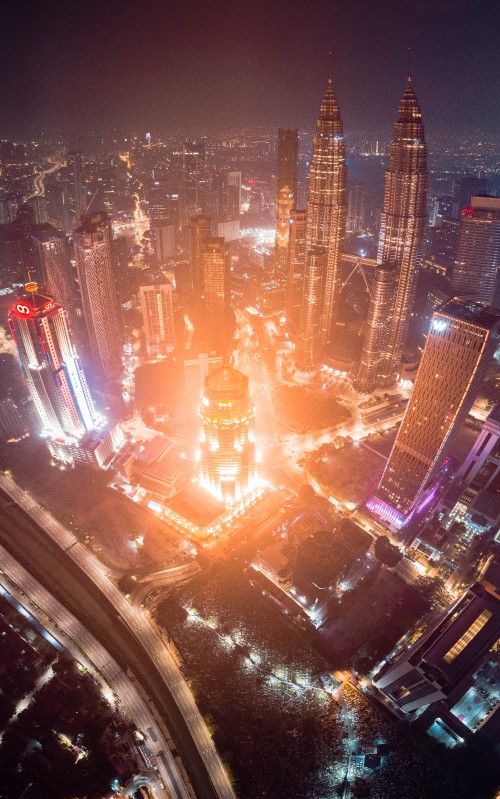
column 227, row 440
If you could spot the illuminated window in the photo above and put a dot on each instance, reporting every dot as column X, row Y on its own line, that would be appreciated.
column 467, row 637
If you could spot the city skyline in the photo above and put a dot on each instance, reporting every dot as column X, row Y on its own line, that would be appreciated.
column 278, row 546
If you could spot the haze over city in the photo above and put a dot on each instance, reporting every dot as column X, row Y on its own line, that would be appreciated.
column 250, row 400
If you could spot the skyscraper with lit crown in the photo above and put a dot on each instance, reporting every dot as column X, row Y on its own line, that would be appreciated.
column 52, row 369
column 460, row 345
column 227, row 440
column 403, row 222
column 326, row 224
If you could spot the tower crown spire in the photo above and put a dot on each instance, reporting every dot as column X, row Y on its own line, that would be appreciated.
column 329, row 109
column 409, row 110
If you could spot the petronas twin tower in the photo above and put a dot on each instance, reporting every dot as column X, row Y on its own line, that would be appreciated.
column 401, row 237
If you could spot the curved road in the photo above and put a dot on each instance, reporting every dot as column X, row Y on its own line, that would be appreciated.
column 143, row 631
column 91, row 654
column 39, row 178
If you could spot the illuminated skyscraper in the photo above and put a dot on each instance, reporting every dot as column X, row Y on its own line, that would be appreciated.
column 326, row 223
column 227, row 440
column 52, row 370
column 194, row 180
column 286, row 196
column 475, row 272
column 403, row 219
column 98, row 291
column 226, row 202
column 77, row 201
column 378, row 327
column 460, row 345
column 158, row 317
column 296, row 264
column 52, row 252
column 356, row 207
column 216, row 293
column 200, row 232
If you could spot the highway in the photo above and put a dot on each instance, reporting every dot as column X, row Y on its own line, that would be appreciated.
column 75, row 638
column 136, row 621
column 39, row 178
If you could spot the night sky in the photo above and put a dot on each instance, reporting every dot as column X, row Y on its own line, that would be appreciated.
column 154, row 65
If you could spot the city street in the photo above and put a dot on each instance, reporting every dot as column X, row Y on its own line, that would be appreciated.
column 65, row 628
column 143, row 631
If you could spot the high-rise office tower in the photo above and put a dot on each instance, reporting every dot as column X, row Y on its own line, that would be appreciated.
column 378, row 328
column 464, row 189
column 475, row 272
column 224, row 203
column 326, row 223
column 227, row 441
column 194, row 180
column 442, row 208
column 77, row 204
column 296, row 264
column 158, row 317
column 163, row 239
column 460, row 345
column 53, row 256
column 217, row 294
column 356, row 208
column 315, row 266
column 51, row 368
column 403, row 217
column 286, row 196
column 444, row 659
column 161, row 224
column 93, row 251
column 200, row 233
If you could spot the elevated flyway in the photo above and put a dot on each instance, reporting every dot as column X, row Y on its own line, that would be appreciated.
column 216, row 782
column 75, row 638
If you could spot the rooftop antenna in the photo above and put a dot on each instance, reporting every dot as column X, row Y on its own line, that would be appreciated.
column 408, row 70
column 330, row 79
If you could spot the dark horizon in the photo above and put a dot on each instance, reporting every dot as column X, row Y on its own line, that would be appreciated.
column 96, row 67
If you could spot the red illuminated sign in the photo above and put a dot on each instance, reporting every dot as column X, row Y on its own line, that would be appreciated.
column 23, row 309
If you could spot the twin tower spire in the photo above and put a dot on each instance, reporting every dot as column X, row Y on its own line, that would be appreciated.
column 400, row 243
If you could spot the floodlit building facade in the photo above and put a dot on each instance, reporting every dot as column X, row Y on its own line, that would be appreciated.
column 93, row 251
column 227, row 440
column 326, row 224
column 475, row 272
column 216, row 293
column 460, row 346
column 52, row 370
column 200, row 232
column 158, row 317
column 378, row 327
column 296, row 262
